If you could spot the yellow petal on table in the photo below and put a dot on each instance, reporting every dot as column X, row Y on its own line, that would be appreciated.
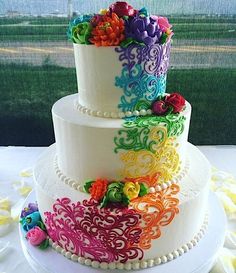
column 5, row 217
column 5, row 220
column 26, row 173
column 213, row 186
column 17, row 208
column 18, row 184
column 5, row 204
column 226, row 262
column 4, row 247
column 229, row 206
column 230, row 240
column 222, row 177
column 231, row 194
column 24, row 191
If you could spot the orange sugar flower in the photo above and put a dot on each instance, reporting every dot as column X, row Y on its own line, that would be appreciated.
column 98, row 189
column 109, row 31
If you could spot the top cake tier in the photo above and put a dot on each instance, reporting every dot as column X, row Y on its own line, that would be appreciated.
column 121, row 57
column 120, row 80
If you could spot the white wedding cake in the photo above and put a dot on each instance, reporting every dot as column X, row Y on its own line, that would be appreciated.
column 122, row 187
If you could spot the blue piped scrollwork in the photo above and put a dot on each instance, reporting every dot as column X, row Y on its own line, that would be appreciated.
column 138, row 85
column 143, row 76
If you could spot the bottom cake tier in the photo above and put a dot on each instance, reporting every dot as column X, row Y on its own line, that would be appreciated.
column 153, row 229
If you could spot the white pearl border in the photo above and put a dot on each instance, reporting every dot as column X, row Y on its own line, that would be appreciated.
column 65, row 179
column 135, row 264
column 77, row 185
column 115, row 115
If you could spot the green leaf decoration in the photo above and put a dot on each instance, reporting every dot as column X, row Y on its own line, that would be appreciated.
column 115, row 192
column 44, row 244
column 81, row 33
column 143, row 190
column 41, row 225
column 87, row 185
column 126, row 42
column 125, row 200
column 143, row 12
column 130, row 41
column 163, row 38
column 142, row 104
column 104, row 201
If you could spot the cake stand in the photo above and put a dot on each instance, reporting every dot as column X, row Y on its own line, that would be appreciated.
column 200, row 259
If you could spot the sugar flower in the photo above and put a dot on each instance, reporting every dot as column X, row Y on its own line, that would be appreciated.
column 109, row 31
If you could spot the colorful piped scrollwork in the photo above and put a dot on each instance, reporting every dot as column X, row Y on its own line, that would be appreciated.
column 140, row 139
column 157, row 210
column 174, row 123
column 150, row 146
column 143, row 76
column 111, row 234
column 104, row 235
column 138, row 85
column 153, row 58
column 142, row 163
column 139, row 136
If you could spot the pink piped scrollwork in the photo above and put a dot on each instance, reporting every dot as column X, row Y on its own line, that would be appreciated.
column 104, row 235
column 112, row 234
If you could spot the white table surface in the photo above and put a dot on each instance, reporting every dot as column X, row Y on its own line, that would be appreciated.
column 14, row 159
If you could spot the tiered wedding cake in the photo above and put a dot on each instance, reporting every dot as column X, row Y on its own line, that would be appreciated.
column 122, row 188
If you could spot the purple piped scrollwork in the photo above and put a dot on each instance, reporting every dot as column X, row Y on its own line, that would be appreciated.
column 155, row 58
column 143, row 76
column 104, row 235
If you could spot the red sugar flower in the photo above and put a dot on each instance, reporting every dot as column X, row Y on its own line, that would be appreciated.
column 98, row 189
column 176, row 101
column 122, row 9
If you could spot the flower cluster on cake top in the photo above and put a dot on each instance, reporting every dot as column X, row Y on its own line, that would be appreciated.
column 120, row 24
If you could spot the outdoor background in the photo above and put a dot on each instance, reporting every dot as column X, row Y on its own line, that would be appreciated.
column 37, row 65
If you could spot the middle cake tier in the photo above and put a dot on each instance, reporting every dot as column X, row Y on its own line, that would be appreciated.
column 151, row 149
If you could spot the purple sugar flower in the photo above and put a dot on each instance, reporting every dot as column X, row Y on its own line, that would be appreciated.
column 143, row 29
column 32, row 207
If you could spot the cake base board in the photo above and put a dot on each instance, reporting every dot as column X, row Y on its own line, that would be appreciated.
column 200, row 259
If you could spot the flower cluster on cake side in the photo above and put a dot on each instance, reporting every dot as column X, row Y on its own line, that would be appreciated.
column 33, row 226
column 120, row 24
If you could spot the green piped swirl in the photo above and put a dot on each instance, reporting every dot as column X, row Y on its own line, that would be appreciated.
column 137, row 134
column 135, row 139
column 174, row 123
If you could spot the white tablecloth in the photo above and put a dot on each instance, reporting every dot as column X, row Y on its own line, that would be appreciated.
column 16, row 181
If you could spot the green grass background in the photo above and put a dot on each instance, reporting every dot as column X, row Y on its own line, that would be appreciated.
column 54, row 29
column 28, row 93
